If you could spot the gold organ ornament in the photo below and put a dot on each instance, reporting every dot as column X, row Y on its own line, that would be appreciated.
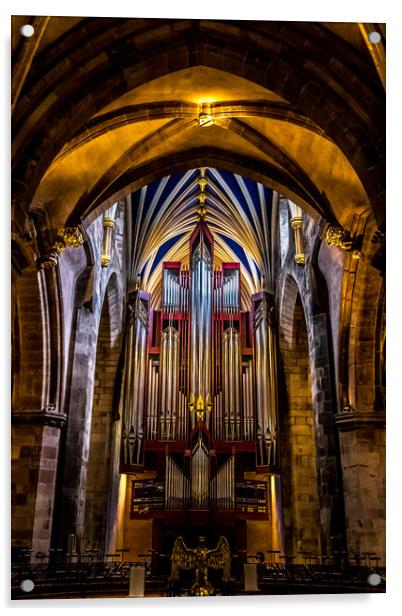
column 200, row 558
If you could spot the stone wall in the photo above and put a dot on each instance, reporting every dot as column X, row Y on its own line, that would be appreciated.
column 95, row 290
column 341, row 299
column 307, row 367
column 259, row 537
column 36, row 421
column 98, row 482
column 301, row 506
column 28, row 340
column 33, row 464
column 361, row 414
column 363, row 463
column 137, row 534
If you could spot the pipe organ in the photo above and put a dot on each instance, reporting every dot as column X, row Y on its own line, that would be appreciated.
column 134, row 379
column 199, row 398
column 266, row 390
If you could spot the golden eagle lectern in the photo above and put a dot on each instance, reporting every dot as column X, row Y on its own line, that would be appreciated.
column 200, row 558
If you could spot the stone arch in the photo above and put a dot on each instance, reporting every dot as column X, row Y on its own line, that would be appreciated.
column 301, row 502
column 99, row 469
column 367, row 297
column 71, row 500
column 128, row 181
column 30, row 355
column 361, row 416
column 262, row 52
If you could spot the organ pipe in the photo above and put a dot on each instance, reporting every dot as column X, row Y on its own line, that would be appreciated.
column 176, row 485
column 168, row 399
column 201, row 326
column 266, row 391
column 200, row 476
column 225, row 485
column 232, row 384
column 201, row 366
column 134, row 381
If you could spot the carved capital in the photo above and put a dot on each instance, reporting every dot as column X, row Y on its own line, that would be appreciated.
column 48, row 261
column 336, row 236
column 296, row 222
column 69, row 237
column 45, row 417
column 105, row 260
column 349, row 419
column 109, row 223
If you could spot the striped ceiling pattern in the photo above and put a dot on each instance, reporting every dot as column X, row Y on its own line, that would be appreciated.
column 163, row 215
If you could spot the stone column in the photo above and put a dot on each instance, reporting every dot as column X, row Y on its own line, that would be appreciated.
column 362, row 442
column 70, row 520
column 332, row 522
column 35, row 450
column 296, row 222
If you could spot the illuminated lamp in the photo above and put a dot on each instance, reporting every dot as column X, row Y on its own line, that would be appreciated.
column 205, row 119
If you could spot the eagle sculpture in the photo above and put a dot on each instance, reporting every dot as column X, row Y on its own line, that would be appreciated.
column 200, row 558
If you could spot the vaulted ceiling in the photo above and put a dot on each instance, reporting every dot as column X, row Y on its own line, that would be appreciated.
column 163, row 215
column 106, row 106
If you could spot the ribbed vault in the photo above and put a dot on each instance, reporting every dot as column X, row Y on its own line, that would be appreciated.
column 109, row 105
column 163, row 215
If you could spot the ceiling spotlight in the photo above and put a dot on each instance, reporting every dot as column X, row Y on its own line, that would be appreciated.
column 205, row 119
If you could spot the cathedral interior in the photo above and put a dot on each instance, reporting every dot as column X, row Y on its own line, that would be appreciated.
column 198, row 303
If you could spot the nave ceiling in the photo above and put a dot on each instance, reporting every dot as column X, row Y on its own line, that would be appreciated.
column 93, row 147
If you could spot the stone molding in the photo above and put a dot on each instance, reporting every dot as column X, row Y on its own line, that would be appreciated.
column 46, row 417
column 350, row 419
column 68, row 237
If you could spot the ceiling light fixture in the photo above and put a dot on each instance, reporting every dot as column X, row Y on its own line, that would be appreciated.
column 205, row 117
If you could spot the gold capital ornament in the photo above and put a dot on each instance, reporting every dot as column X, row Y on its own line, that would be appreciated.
column 336, row 236
column 68, row 237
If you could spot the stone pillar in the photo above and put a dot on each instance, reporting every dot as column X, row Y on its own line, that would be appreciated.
column 296, row 222
column 301, row 503
column 70, row 520
column 35, row 450
column 362, row 442
column 109, row 224
column 332, row 516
